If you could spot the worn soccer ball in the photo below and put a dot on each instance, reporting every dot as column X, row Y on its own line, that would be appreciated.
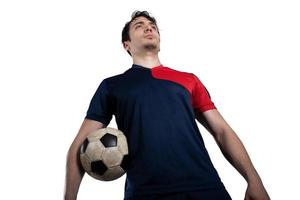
column 104, row 154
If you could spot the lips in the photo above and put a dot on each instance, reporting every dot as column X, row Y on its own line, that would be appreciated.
column 149, row 35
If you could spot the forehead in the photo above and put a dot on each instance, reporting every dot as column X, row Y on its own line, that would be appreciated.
column 141, row 19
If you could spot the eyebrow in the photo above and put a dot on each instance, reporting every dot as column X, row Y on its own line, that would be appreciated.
column 141, row 22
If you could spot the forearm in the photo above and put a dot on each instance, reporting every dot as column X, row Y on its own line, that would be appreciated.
column 235, row 152
column 74, row 175
column 74, row 171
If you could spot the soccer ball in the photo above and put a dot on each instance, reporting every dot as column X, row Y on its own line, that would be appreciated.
column 104, row 154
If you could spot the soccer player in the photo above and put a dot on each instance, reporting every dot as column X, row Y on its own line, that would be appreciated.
column 155, row 106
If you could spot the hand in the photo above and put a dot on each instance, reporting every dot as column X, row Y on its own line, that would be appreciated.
column 256, row 191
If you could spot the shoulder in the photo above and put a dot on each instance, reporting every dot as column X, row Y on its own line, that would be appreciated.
column 171, row 69
column 175, row 72
column 186, row 76
column 114, row 78
column 189, row 75
column 185, row 79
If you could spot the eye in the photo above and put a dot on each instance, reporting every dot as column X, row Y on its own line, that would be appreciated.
column 154, row 27
column 138, row 26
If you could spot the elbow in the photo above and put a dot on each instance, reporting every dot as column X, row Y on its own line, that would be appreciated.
column 221, row 135
column 225, row 135
column 73, row 155
column 69, row 158
column 69, row 155
column 218, row 135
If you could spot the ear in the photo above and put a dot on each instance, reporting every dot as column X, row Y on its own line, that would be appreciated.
column 126, row 46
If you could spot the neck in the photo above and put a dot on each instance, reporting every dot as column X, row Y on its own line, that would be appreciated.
column 147, row 60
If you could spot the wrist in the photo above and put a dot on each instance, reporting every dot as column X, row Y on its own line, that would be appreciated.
column 253, row 178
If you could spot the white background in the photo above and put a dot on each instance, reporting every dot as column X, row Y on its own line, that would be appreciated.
column 54, row 54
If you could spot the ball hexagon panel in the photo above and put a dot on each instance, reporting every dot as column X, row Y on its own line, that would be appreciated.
column 93, row 136
column 85, row 161
column 122, row 144
column 112, row 156
column 94, row 150
column 113, row 172
column 125, row 162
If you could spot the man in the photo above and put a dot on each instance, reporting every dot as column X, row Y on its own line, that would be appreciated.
column 156, row 106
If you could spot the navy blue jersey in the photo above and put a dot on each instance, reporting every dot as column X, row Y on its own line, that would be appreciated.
column 155, row 108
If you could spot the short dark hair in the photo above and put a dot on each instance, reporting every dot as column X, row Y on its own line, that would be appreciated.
column 135, row 14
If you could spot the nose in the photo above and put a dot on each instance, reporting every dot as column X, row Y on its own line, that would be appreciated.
column 148, row 28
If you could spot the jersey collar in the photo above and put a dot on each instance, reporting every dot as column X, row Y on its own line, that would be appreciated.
column 143, row 67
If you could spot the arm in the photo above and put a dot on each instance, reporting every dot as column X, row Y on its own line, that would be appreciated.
column 74, row 171
column 234, row 151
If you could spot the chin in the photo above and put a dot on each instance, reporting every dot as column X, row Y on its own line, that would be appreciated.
column 151, row 46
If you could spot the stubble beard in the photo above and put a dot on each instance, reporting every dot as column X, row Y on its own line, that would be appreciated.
column 150, row 47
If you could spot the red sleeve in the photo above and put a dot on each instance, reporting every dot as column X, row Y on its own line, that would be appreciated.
column 201, row 98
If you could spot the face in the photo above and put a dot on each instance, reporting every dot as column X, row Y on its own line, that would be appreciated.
column 143, row 35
